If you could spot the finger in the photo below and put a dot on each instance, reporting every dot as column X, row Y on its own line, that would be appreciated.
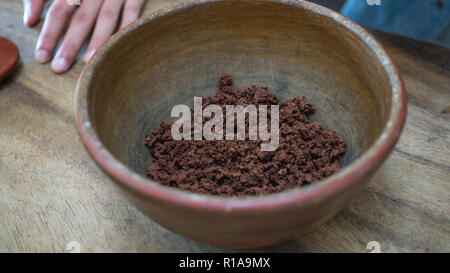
column 32, row 10
column 54, row 23
column 131, row 12
column 79, row 29
column 105, row 26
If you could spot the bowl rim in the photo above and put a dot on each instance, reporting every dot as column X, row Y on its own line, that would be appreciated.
column 363, row 166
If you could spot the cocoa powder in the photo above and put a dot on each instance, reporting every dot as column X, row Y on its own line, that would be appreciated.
column 306, row 153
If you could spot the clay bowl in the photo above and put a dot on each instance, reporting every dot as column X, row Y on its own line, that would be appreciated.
column 293, row 47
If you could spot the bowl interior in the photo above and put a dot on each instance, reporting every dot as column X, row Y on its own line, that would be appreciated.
column 163, row 61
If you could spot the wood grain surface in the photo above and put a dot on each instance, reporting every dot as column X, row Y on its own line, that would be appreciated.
column 52, row 193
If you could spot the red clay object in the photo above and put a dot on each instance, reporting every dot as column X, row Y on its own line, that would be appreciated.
column 9, row 56
column 168, row 57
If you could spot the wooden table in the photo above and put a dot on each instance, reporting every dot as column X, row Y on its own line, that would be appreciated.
column 52, row 193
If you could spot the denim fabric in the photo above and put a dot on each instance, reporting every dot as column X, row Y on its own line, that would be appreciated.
column 427, row 20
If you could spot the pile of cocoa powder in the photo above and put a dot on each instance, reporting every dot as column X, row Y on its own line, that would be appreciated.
column 306, row 153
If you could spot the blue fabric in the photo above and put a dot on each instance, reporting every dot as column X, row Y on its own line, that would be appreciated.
column 427, row 20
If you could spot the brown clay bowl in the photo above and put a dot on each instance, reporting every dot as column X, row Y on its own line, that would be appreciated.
column 296, row 48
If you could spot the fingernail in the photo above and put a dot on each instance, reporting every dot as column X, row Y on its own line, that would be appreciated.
column 26, row 15
column 60, row 64
column 42, row 56
column 89, row 55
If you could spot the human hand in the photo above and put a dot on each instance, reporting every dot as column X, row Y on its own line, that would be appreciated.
column 104, row 14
